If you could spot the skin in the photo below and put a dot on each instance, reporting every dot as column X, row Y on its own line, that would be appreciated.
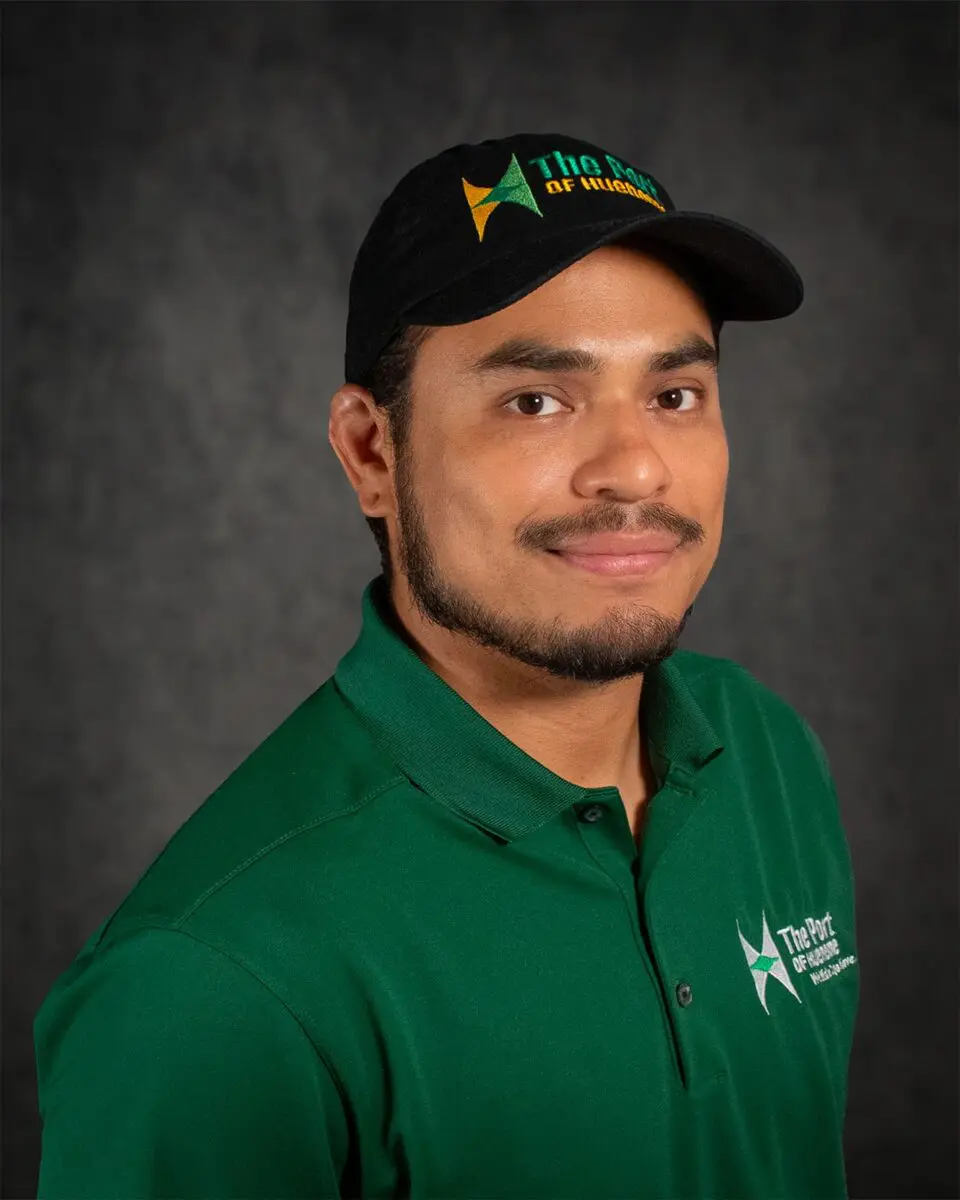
column 550, row 655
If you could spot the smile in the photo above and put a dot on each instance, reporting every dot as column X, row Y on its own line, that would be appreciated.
column 616, row 564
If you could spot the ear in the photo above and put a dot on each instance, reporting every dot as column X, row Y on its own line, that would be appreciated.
column 358, row 433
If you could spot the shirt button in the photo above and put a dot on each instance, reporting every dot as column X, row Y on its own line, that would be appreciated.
column 592, row 812
column 684, row 994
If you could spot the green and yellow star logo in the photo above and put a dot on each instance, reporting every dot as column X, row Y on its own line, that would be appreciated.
column 512, row 189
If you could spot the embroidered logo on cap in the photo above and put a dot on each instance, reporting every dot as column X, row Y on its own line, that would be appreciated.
column 560, row 170
column 512, row 189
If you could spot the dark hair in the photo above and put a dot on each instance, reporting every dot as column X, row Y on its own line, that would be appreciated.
column 389, row 383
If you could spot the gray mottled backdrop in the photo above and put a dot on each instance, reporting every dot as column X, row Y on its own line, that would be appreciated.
column 185, row 186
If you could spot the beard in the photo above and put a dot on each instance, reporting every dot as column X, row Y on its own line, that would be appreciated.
column 626, row 641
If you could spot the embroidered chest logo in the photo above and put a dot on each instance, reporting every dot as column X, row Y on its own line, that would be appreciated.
column 512, row 189
column 766, row 962
column 814, row 952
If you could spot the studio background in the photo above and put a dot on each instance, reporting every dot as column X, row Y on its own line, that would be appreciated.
column 185, row 187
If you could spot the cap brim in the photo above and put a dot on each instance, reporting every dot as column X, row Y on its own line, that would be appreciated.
column 741, row 276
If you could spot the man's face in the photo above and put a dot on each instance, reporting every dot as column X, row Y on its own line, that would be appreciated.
column 549, row 421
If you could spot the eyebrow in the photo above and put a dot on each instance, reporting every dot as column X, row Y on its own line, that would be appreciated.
column 692, row 351
column 525, row 354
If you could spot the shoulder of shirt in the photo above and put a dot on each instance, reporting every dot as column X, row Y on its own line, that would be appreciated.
column 727, row 690
column 319, row 767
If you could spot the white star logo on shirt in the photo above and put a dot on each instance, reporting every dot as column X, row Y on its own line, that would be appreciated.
column 766, row 962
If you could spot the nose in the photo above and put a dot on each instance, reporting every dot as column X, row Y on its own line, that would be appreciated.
column 625, row 464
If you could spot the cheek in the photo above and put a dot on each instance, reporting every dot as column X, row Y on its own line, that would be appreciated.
column 707, row 471
column 487, row 475
column 703, row 492
column 466, row 499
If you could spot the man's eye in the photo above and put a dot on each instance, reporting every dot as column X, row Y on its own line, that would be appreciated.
column 533, row 399
column 675, row 401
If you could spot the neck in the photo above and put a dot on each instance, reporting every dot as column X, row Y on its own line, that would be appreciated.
column 588, row 734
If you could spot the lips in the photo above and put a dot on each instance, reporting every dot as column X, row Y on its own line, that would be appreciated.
column 620, row 545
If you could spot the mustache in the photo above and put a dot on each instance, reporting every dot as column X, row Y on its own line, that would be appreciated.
column 652, row 518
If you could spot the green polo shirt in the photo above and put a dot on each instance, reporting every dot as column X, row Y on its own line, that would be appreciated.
column 394, row 955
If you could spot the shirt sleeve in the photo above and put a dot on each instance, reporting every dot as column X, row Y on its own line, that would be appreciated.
column 166, row 1069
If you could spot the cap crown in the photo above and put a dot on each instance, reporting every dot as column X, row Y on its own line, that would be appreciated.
column 473, row 205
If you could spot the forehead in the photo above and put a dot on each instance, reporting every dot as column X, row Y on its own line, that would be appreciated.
column 616, row 301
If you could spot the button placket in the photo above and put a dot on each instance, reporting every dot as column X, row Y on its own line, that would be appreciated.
column 606, row 834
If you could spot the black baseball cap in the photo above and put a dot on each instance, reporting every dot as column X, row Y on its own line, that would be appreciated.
column 477, row 227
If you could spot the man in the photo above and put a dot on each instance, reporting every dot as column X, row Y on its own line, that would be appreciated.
column 524, row 901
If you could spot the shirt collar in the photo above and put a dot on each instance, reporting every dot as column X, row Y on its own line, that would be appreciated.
column 451, row 752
